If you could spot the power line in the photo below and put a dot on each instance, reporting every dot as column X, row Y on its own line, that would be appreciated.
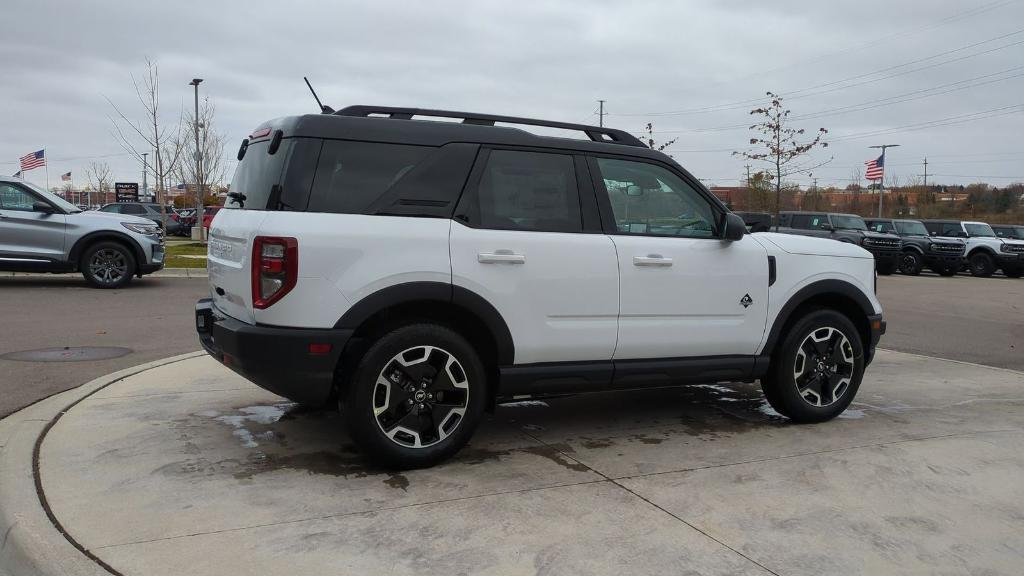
column 809, row 91
column 960, row 119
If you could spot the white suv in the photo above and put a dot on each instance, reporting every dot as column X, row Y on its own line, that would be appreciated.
column 415, row 271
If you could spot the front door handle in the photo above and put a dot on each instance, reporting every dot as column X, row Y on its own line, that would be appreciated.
column 651, row 260
column 500, row 257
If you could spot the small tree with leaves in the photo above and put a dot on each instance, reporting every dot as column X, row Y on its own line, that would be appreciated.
column 782, row 148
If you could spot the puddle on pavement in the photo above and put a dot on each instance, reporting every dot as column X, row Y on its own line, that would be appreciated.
column 271, row 434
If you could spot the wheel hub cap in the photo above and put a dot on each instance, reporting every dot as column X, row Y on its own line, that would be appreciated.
column 420, row 396
column 824, row 365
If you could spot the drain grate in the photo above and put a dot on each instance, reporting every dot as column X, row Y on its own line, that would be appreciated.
column 68, row 354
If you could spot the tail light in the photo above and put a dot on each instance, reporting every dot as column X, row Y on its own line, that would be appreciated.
column 275, row 269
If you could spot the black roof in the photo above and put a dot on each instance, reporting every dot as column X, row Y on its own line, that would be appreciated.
column 356, row 123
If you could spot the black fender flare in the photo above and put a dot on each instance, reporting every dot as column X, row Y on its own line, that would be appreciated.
column 440, row 292
column 981, row 250
column 830, row 286
column 101, row 235
column 913, row 248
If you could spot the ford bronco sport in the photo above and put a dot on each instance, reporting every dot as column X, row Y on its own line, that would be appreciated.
column 413, row 271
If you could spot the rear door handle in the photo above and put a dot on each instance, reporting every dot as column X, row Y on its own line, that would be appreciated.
column 651, row 260
column 500, row 257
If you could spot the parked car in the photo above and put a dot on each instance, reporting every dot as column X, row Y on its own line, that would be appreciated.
column 41, row 232
column 756, row 221
column 151, row 211
column 434, row 267
column 208, row 213
column 885, row 247
column 187, row 217
column 943, row 256
column 1009, row 231
column 986, row 252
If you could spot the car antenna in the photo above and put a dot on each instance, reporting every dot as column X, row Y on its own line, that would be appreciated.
column 323, row 109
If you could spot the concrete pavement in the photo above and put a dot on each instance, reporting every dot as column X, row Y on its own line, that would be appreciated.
column 188, row 469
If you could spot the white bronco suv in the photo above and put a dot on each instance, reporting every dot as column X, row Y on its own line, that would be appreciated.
column 415, row 271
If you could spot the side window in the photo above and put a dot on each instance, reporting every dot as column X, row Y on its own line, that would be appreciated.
column 353, row 175
column 649, row 199
column 531, row 191
column 952, row 229
column 14, row 198
column 115, row 208
column 802, row 221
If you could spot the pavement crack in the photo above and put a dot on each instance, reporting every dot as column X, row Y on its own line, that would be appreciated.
column 614, row 482
column 7, row 533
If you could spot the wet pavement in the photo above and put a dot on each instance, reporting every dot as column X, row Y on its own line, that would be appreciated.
column 189, row 469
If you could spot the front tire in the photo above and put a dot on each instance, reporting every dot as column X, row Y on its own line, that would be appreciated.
column 107, row 265
column 911, row 263
column 416, row 397
column 817, row 369
column 982, row 265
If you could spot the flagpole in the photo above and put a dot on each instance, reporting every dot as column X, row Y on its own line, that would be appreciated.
column 46, row 165
column 881, row 181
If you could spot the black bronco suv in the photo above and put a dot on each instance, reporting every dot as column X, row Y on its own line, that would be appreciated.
column 885, row 247
column 943, row 256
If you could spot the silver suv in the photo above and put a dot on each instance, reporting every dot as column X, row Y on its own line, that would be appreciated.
column 40, row 232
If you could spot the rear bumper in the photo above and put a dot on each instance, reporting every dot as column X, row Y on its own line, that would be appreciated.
column 877, row 324
column 276, row 359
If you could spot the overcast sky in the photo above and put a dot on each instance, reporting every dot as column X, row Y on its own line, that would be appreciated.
column 870, row 71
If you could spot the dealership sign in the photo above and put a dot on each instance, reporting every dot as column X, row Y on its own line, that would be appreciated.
column 126, row 191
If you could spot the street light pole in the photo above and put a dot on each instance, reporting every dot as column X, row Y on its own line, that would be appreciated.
column 198, row 160
column 145, row 168
column 881, row 181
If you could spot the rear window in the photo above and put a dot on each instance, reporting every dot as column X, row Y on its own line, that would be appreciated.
column 257, row 174
column 352, row 176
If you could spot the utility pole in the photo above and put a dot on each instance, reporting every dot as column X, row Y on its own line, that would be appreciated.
column 145, row 168
column 926, row 173
column 600, row 113
column 198, row 162
column 815, row 193
column 881, row 181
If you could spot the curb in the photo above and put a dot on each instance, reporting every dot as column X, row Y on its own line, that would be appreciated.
column 162, row 273
column 31, row 539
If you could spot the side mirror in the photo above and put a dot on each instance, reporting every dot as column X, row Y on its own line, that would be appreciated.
column 634, row 190
column 40, row 206
column 826, row 226
column 734, row 227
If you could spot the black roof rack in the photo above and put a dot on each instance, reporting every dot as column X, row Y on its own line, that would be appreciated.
column 595, row 133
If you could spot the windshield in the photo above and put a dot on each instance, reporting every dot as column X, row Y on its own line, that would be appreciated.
column 882, row 227
column 53, row 198
column 983, row 230
column 911, row 228
column 849, row 223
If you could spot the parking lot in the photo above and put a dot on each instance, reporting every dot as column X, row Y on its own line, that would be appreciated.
column 195, row 471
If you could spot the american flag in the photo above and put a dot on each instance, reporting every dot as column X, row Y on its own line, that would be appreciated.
column 875, row 168
column 66, row 177
column 33, row 160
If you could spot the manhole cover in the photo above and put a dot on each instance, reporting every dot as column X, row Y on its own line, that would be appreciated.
column 68, row 354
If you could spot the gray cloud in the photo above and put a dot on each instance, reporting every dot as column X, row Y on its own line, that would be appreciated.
column 60, row 60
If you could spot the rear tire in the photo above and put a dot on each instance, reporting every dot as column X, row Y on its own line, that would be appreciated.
column 911, row 263
column 981, row 265
column 107, row 265
column 817, row 369
column 415, row 397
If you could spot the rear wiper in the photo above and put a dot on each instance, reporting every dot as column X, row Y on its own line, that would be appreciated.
column 238, row 197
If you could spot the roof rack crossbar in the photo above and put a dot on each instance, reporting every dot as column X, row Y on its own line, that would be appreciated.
column 595, row 133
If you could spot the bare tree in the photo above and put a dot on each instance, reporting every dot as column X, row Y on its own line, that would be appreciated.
column 207, row 167
column 892, row 181
column 163, row 141
column 856, row 178
column 780, row 146
column 98, row 175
